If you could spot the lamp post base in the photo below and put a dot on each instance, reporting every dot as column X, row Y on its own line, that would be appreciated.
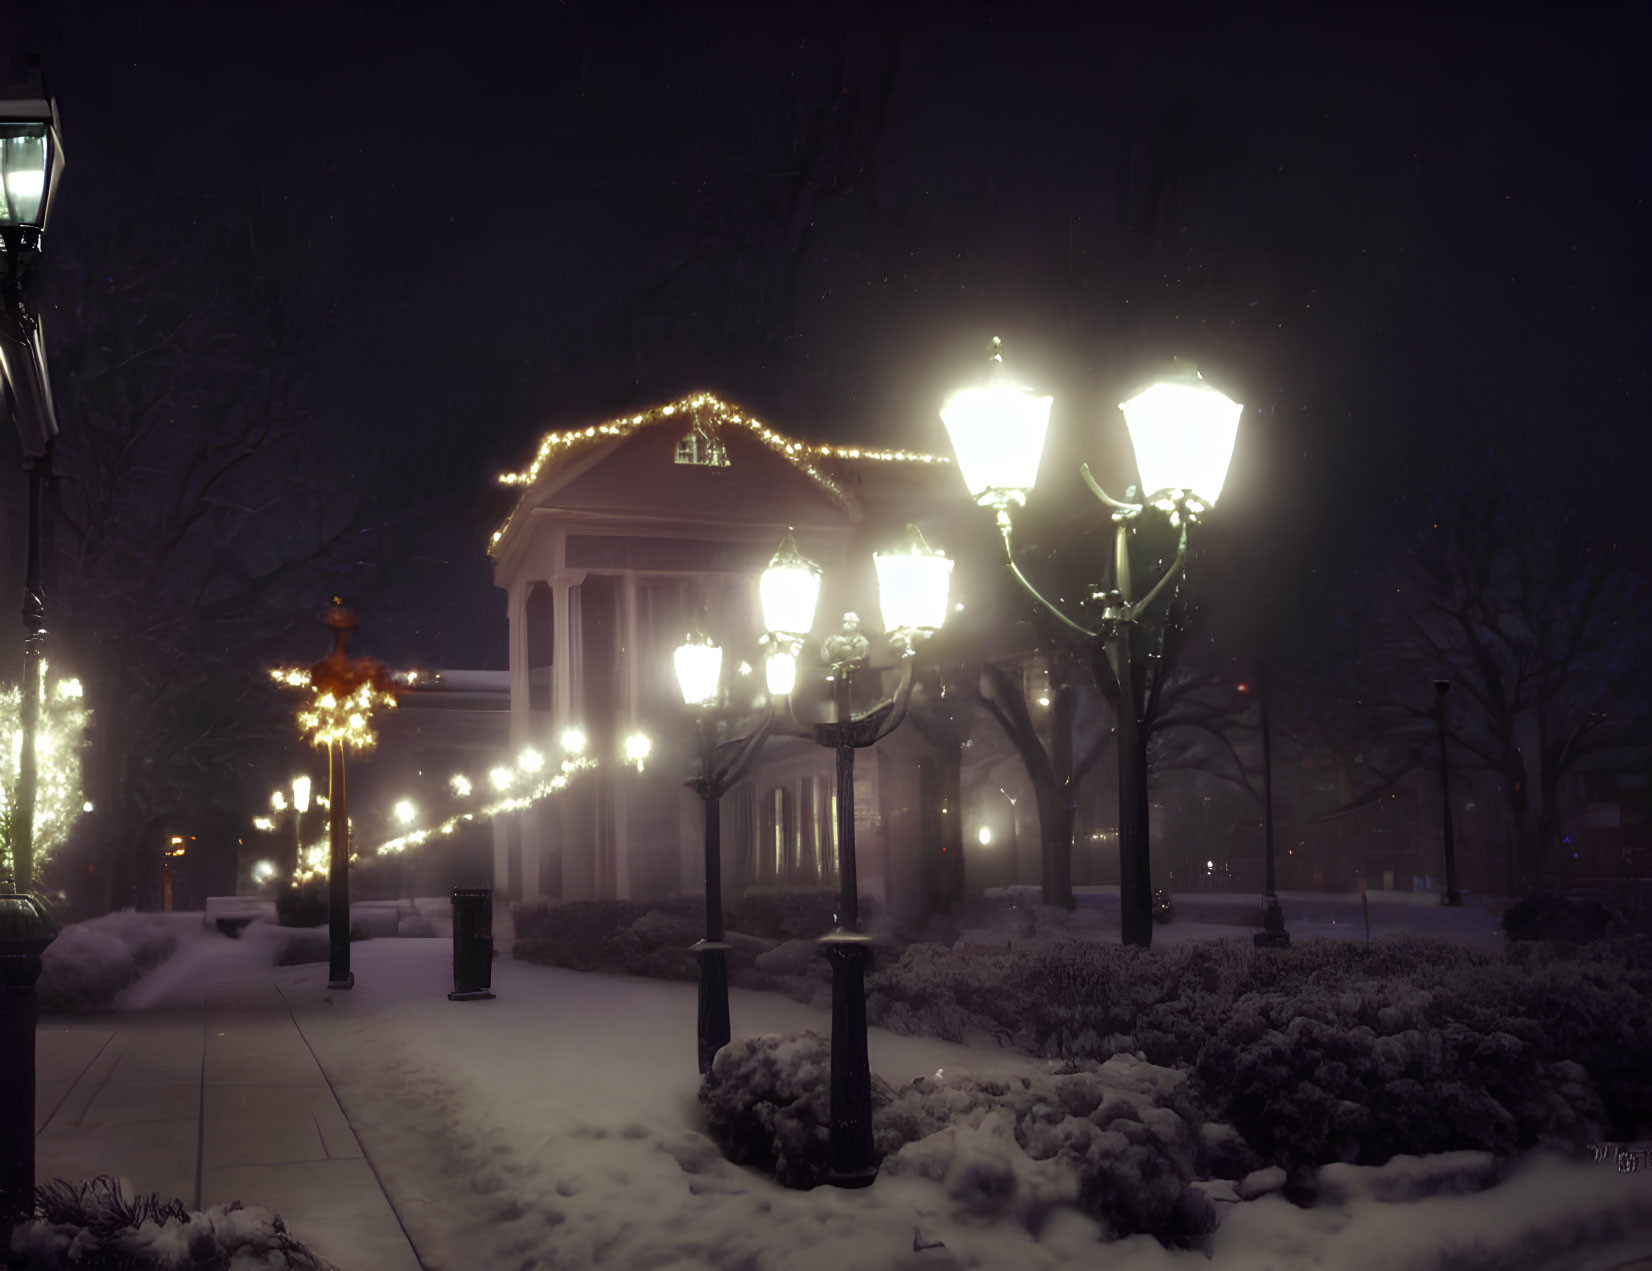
column 478, row 996
column 1451, row 898
column 853, row 1162
column 348, row 982
column 714, row 1020
column 1273, row 934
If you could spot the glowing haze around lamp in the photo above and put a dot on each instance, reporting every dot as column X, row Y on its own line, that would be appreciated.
column 997, row 433
column 699, row 665
column 912, row 588
column 790, row 591
column 1183, row 432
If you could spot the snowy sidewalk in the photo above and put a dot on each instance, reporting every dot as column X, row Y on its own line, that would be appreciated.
column 214, row 1104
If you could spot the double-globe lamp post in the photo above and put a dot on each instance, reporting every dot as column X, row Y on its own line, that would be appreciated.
column 724, row 759
column 31, row 158
column 913, row 587
column 1183, row 432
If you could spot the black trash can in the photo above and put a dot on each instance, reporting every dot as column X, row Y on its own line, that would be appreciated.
column 472, row 944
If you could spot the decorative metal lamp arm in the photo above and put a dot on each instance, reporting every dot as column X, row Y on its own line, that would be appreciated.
column 1027, row 583
column 746, row 754
column 896, row 707
column 1135, row 609
column 1109, row 500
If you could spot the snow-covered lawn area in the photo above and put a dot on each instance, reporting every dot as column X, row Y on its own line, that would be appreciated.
column 558, row 1126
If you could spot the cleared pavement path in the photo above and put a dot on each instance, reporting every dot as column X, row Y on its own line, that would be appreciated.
column 210, row 1105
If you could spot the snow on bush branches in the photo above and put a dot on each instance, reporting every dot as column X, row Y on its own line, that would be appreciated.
column 1322, row 1052
column 92, row 1225
column 1112, row 1140
column 90, row 962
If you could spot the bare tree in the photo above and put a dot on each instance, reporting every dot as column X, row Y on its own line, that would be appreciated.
column 1537, row 616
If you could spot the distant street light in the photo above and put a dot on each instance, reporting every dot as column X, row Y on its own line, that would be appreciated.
column 725, row 757
column 1450, row 896
column 31, row 160
column 912, row 592
column 1183, row 432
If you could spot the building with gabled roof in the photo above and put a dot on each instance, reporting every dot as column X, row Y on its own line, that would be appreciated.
column 624, row 537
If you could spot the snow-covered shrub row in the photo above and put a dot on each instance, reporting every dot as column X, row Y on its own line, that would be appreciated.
column 1113, row 1140
column 93, row 1226
column 620, row 936
column 90, row 962
column 1324, row 1051
column 784, row 915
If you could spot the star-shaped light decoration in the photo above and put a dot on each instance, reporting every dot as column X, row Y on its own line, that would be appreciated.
column 344, row 690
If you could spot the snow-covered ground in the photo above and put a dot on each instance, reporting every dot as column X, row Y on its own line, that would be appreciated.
column 558, row 1126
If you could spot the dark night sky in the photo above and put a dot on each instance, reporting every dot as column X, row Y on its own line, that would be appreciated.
column 1408, row 236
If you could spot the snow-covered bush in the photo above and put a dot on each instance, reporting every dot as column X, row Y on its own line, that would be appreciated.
column 768, row 1100
column 784, row 915
column 416, row 926
column 90, row 962
column 302, row 904
column 602, row 935
column 93, row 1227
column 1113, row 1140
column 1324, row 1051
column 302, row 948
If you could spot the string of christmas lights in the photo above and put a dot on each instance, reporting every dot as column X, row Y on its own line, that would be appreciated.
column 708, row 409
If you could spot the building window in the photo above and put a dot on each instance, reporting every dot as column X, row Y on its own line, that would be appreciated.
column 700, row 448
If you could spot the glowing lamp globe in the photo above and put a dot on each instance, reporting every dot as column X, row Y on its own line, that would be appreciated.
column 997, row 434
column 780, row 671
column 1183, row 432
column 699, row 666
column 301, row 793
column 789, row 590
column 31, row 159
column 912, row 589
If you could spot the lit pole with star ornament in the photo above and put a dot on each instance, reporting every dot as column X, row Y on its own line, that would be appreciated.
column 344, row 691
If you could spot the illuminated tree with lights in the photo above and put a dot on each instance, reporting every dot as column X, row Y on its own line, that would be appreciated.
column 59, row 799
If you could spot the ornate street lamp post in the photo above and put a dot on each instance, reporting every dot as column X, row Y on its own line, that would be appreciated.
column 912, row 591
column 1183, row 432
column 1450, row 896
column 31, row 159
column 723, row 762
column 343, row 692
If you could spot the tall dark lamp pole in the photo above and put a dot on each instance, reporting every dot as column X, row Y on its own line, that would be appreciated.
column 1183, row 432
column 31, row 157
column 723, row 763
column 344, row 691
column 1450, row 896
column 1273, row 933
column 912, row 591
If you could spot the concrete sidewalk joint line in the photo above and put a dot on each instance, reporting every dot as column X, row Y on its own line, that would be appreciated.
column 365, row 1154
column 200, row 1114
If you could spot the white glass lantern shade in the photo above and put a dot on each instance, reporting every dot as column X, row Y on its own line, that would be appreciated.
column 301, row 793
column 912, row 589
column 699, row 670
column 1183, row 433
column 789, row 590
column 998, row 435
column 30, row 160
column 781, row 673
